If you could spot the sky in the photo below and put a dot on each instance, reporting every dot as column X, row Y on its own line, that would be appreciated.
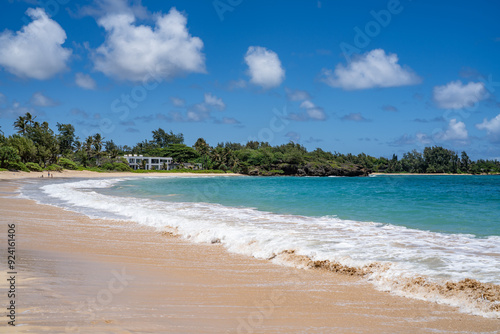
column 378, row 77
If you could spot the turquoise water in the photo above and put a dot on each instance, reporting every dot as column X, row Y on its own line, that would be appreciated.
column 442, row 228
column 449, row 204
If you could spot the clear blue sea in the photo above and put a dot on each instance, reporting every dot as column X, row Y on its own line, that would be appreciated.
column 450, row 204
column 442, row 228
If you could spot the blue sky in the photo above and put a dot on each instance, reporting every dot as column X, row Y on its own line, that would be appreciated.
column 378, row 77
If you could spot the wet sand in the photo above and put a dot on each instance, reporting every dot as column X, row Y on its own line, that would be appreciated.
column 81, row 275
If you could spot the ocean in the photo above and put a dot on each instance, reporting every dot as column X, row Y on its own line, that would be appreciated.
column 435, row 238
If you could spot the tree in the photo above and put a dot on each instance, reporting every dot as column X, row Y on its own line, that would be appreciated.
column 163, row 139
column 201, row 146
column 97, row 142
column 25, row 147
column 7, row 154
column 111, row 148
column 21, row 124
column 66, row 138
column 29, row 118
column 465, row 162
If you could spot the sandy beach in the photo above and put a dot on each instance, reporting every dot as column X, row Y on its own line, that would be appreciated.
column 82, row 275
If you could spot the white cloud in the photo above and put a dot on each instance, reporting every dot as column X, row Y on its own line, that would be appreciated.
column 15, row 110
column 100, row 8
column 373, row 69
column 214, row 101
column 229, row 120
column 297, row 95
column 264, row 67
column 456, row 131
column 456, row 95
column 136, row 52
column 236, row 84
column 177, row 102
column 355, row 117
column 35, row 51
column 492, row 127
column 40, row 100
column 307, row 104
column 202, row 111
column 313, row 111
column 85, row 81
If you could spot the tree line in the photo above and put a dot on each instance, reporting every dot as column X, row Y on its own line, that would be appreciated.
column 36, row 147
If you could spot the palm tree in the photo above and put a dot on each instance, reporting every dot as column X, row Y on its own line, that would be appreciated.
column 98, row 142
column 29, row 118
column 88, row 145
column 21, row 124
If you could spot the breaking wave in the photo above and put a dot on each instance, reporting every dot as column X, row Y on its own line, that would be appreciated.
column 454, row 269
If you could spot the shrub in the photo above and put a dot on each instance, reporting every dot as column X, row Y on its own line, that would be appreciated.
column 68, row 164
column 121, row 167
column 17, row 166
column 55, row 167
column 107, row 166
column 34, row 167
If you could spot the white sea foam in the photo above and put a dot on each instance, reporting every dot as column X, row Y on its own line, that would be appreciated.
column 406, row 253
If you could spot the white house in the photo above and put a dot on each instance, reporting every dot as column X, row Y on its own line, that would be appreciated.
column 151, row 163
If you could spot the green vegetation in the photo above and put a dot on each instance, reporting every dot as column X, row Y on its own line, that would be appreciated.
column 34, row 167
column 36, row 147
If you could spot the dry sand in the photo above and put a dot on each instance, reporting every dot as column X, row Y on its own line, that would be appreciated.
column 79, row 275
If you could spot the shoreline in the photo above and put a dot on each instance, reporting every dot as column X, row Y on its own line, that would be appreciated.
column 428, row 174
column 19, row 175
column 310, row 299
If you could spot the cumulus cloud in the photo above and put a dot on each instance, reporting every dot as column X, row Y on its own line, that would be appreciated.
column 313, row 111
column 214, row 101
column 177, row 102
column 492, row 127
column 40, row 100
column 355, row 117
column 136, row 52
column 264, row 67
column 406, row 140
column 85, row 81
column 100, row 8
column 456, row 131
column 36, row 50
column 203, row 111
column 228, row 120
column 373, row 69
column 388, row 107
column 15, row 109
column 456, row 95
column 297, row 95
column 236, row 84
